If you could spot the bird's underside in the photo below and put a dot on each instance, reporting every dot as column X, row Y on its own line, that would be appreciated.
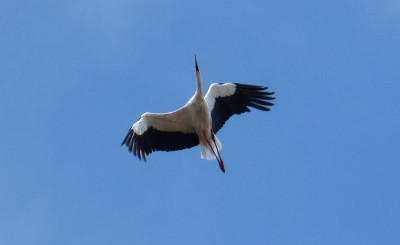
column 185, row 128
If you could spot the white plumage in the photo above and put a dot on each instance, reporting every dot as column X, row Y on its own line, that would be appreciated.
column 197, row 122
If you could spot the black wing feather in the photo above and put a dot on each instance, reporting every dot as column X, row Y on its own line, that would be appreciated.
column 156, row 140
column 245, row 96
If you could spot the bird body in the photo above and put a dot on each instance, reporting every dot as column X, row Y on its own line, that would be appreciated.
column 202, row 126
column 196, row 122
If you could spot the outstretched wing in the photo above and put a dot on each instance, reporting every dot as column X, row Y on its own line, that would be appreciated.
column 226, row 99
column 161, row 132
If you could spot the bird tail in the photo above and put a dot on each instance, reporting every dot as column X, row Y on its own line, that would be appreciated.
column 207, row 152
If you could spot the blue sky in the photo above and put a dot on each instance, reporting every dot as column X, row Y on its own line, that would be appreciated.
column 322, row 167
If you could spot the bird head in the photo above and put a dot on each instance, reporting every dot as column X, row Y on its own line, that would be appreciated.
column 196, row 65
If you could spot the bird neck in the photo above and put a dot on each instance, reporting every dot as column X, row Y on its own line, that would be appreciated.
column 199, row 85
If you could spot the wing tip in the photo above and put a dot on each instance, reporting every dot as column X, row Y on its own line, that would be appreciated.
column 257, row 96
column 250, row 87
column 134, row 145
column 127, row 137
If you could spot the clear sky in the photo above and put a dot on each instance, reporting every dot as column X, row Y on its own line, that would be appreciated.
column 322, row 167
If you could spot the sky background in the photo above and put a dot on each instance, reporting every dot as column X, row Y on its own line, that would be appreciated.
column 322, row 167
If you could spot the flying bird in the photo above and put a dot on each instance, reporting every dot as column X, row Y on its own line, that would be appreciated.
column 197, row 122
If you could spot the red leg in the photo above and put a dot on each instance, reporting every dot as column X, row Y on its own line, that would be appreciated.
column 220, row 162
column 208, row 142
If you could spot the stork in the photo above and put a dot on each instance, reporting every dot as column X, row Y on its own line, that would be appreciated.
column 197, row 122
